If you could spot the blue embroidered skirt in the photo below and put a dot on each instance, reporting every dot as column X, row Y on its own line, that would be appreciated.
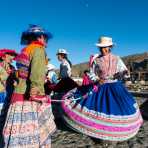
column 107, row 111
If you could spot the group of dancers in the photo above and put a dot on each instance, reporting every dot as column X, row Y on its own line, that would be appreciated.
column 101, row 108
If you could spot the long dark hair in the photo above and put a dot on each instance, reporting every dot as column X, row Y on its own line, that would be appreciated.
column 67, row 59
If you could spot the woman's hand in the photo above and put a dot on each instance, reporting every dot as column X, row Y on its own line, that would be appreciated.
column 101, row 81
column 34, row 91
column 15, row 83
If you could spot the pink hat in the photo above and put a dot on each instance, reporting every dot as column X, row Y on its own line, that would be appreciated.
column 8, row 51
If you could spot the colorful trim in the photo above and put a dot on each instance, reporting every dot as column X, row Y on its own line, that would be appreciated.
column 97, row 124
column 28, row 124
column 102, row 118
column 98, row 134
column 106, row 129
column 16, row 97
column 94, row 114
column 23, row 60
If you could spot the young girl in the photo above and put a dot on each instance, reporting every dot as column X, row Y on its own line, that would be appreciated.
column 86, row 78
column 106, row 110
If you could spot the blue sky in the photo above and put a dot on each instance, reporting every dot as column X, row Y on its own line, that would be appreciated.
column 77, row 24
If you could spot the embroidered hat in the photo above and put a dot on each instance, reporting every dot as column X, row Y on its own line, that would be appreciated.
column 3, row 53
column 8, row 51
column 105, row 42
column 63, row 51
column 34, row 31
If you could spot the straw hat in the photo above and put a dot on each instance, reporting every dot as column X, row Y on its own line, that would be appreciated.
column 105, row 42
column 63, row 51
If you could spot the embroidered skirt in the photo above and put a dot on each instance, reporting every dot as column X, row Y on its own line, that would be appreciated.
column 29, row 124
column 106, row 112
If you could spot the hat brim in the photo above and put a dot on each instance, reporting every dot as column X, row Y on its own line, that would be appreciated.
column 104, row 45
column 9, row 51
column 62, row 53
column 26, row 36
column 12, row 53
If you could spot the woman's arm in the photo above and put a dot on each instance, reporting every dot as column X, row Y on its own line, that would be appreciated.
column 120, row 65
column 37, row 75
column 3, row 76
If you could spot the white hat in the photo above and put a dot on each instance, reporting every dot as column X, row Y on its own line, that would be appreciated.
column 50, row 66
column 105, row 42
column 62, row 51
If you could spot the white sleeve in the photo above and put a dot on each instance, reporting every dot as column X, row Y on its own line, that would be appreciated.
column 69, row 69
column 92, row 76
column 120, row 65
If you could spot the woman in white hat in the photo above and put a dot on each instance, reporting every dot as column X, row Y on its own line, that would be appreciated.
column 65, row 66
column 66, row 83
column 106, row 110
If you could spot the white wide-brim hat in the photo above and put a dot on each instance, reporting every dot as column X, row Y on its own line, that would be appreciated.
column 105, row 42
column 63, row 51
column 50, row 67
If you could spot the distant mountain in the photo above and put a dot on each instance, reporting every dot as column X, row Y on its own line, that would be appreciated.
column 135, row 57
column 78, row 69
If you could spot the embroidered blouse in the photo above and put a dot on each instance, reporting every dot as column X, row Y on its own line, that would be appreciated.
column 105, row 67
column 31, row 65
